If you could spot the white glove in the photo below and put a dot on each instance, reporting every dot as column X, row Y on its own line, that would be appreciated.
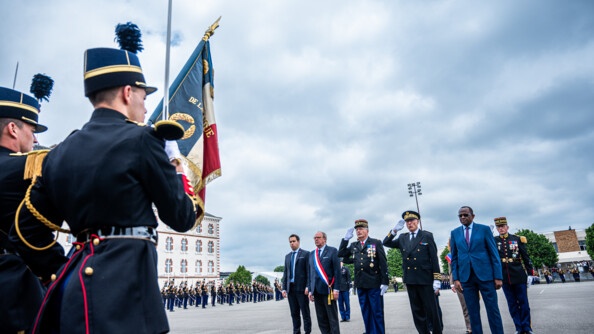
column 349, row 233
column 436, row 285
column 172, row 150
column 399, row 226
column 383, row 289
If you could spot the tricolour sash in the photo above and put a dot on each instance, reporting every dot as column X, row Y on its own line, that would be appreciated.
column 323, row 276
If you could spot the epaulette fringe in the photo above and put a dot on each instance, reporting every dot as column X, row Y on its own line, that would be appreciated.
column 34, row 163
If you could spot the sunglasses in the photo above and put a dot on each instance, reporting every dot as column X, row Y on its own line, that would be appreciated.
column 464, row 215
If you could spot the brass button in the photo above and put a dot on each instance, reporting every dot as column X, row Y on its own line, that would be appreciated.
column 415, row 259
column 415, row 268
column 408, row 268
column 88, row 271
column 407, row 258
column 77, row 247
column 96, row 242
column 53, row 277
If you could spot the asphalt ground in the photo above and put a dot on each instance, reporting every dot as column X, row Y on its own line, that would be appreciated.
column 555, row 308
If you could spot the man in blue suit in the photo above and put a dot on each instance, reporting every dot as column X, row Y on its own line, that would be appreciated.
column 323, row 284
column 476, row 266
column 294, row 286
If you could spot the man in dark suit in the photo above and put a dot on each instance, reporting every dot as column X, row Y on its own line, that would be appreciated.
column 323, row 284
column 295, row 282
column 476, row 266
column 371, row 274
column 420, row 267
column 516, row 268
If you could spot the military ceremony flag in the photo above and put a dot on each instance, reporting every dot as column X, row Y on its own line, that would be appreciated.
column 191, row 104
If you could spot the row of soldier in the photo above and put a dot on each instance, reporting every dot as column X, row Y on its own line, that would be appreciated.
column 182, row 296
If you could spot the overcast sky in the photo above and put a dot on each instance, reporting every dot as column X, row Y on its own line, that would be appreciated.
column 326, row 110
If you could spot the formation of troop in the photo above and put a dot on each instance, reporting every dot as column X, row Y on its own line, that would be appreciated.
column 183, row 296
column 480, row 264
column 103, row 180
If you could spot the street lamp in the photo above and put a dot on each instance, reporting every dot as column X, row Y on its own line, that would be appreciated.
column 414, row 189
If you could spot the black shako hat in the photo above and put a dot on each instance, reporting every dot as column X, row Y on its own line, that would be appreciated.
column 16, row 105
column 107, row 68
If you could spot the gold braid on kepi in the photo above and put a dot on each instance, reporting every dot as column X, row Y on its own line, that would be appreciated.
column 32, row 171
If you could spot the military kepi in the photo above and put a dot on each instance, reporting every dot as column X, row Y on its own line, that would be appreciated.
column 500, row 221
column 16, row 105
column 408, row 215
column 107, row 68
column 361, row 223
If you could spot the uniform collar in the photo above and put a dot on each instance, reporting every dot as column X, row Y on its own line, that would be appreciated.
column 505, row 236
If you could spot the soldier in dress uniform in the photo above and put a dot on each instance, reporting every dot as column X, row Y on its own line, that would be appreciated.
column 103, row 180
column 213, row 294
column 421, row 270
column 20, row 288
column 371, row 274
column 561, row 273
column 516, row 267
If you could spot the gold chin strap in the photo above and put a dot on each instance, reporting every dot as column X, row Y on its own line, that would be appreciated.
column 39, row 216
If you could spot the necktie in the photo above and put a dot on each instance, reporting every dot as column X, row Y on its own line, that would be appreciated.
column 467, row 235
column 412, row 236
column 293, row 264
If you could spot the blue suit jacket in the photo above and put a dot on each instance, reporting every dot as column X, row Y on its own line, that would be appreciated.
column 331, row 265
column 482, row 254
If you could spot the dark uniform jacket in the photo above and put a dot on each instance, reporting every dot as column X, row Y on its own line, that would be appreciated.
column 515, row 263
column 419, row 257
column 110, row 173
column 21, row 290
column 371, row 266
column 345, row 279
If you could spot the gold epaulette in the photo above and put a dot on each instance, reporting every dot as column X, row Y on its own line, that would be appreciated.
column 134, row 122
column 33, row 163
column 437, row 276
column 523, row 239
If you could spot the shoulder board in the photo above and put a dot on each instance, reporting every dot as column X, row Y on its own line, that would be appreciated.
column 523, row 239
column 134, row 122
column 33, row 163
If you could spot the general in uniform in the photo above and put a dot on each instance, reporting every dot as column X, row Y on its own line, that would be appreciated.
column 371, row 274
column 103, row 180
column 420, row 269
column 516, row 266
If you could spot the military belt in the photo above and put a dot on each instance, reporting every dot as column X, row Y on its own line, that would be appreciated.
column 509, row 260
column 117, row 232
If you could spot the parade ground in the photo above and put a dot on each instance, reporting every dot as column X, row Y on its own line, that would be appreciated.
column 556, row 308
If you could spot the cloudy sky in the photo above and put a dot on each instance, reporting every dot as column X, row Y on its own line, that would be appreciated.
column 326, row 110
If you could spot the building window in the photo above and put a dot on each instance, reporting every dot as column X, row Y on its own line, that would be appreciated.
column 169, row 244
column 582, row 244
column 198, row 266
column 184, row 266
column 211, row 247
column 198, row 246
column 184, row 245
column 210, row 267
column 168, row 266
column 199, row 228
column 210, row 229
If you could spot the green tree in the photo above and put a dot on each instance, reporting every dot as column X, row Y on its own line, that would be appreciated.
column 590, row 241
column 262, row 279
column 540, row 249
column 279, row 269
column 444, row 262
column 241, row 275
column 394, row 262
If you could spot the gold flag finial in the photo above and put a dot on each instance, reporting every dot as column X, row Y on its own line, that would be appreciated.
column 210, row 31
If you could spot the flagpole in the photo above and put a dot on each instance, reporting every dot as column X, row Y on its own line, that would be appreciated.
column 166, row 128
column 15, row 75
column 167, row 51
